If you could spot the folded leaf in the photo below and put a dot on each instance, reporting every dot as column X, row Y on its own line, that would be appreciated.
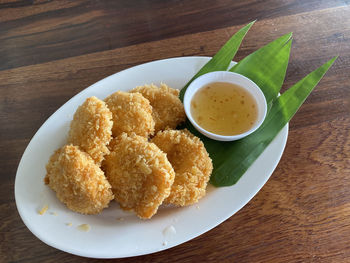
column 267, row 66
column 223, row 58
column 236, row 157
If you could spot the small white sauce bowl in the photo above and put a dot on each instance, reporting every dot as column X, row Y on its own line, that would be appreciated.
column 228, row 77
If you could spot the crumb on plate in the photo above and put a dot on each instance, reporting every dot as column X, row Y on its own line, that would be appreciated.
column 43, row 209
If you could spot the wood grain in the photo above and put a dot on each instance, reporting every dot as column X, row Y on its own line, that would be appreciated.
column 45, row 30
column 51, row 50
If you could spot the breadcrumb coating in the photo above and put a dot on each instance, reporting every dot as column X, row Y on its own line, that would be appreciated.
column 140, row 174
column 191, row 163
column 131, row 113
column 91, row 128
column 168, row 111
column 78, row 181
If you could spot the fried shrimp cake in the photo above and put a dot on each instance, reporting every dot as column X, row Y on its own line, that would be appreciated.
column 78, row 181
column 131, row 113
column 140, row 174
column 91, row 128
column 168, row 111
column 191, row 163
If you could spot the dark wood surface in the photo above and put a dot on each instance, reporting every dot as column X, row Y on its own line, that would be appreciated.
column 51, row 50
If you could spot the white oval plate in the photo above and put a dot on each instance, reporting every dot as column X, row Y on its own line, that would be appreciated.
column 114, row 233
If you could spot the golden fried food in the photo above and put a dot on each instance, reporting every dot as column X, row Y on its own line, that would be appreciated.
column 140, row 174
column 78, row 181
column 168, row 111
column 131, row 113
column 191, row 163
column 91, row 128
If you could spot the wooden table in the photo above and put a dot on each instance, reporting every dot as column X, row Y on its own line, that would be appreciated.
column 51, row 50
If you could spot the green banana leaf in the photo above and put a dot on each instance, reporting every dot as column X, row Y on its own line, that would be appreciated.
column 223, row 58
column 242, row 153
column 267, row 68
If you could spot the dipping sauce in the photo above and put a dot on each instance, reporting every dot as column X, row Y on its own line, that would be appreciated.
column 224, row 108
